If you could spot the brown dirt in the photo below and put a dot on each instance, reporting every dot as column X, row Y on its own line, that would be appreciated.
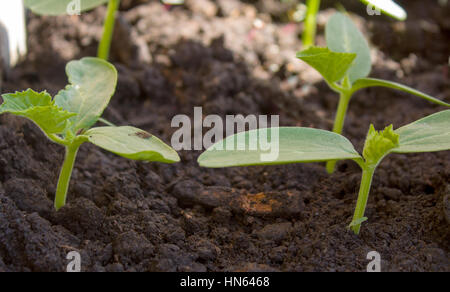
column 129, row 216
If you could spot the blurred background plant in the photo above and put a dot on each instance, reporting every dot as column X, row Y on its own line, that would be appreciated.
column 307, row 11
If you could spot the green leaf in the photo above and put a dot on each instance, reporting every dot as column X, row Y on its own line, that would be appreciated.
column 429, row 134
column 372, row 82
column 59, row 7
column 286, row 145
column 93, row 82
column 132, row 143
column 344, row 37
column 332, row 66
column 379, row 143
column 39, row 108
column 24, row 100
column 388, row 7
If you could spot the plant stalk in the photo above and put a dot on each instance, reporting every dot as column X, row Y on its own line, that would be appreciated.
column 366, row 182
column 309, row 33
column 341, row 113
column 65, row 175
column 108, row 30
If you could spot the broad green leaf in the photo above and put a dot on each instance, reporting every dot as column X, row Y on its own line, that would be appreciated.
column 372, row 82
column 344, row 37
column 388, row 7
column 39, row 108
column 278, row 146
column 332, row 66
column 132, row 143
column 429, row 134
column 92, row 84
column 59, row 7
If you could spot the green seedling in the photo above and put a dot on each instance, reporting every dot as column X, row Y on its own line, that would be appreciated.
column 62, row 7
column 387, row 7
column 68, row 117
column 301, row 145
column 310, row 24
column 345, row 65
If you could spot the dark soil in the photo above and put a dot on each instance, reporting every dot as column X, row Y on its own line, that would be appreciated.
column 230, row 58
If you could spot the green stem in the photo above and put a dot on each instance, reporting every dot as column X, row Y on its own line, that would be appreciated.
column 366, row 182
column 65, row 175
column 341, row 113
column 309, row 34
column 106, row 122
column 108, row 29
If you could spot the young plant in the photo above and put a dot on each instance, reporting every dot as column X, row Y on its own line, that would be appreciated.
column 345, row 65
column 301, row 145
column 61, row 7
column 387, row 7
column 68, row 118
column 309, row 33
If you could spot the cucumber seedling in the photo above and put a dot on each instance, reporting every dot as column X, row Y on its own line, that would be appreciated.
column 345, row 65
column 62, row 7
column 387, row 7
column 68, row 117
column 301, row 145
